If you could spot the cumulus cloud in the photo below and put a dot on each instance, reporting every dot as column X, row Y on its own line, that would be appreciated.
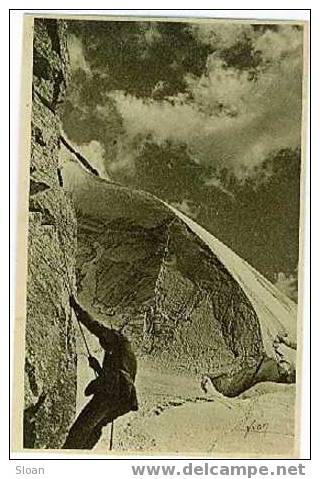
column 226, row 118
column 278, row 45
column 77, row 59
column 222, row 35
column 187, row 207
column 217, row 183
column 124, row 160
column 151, row 33
column 95, row 154
column 288, row 284
column 163, row 120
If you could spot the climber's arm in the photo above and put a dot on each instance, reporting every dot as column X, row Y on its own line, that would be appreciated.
column 95, row 365
column 84, row 317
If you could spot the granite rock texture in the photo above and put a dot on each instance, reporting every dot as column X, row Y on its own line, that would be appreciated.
column 187, row 302
column 51, row 361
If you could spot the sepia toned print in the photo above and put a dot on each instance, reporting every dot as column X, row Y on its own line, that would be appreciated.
column 161, row 187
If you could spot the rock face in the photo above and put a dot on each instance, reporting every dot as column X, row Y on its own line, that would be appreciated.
column 50, row 363
column 187, row 302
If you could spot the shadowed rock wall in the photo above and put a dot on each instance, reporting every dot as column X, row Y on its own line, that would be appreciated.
column 50, row 363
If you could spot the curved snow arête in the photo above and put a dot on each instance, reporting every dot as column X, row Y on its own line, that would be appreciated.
column 187, row 301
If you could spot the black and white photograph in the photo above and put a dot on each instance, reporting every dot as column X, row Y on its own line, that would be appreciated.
column 162, row 190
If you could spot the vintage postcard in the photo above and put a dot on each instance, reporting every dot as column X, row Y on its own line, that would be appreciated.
column 159, row 303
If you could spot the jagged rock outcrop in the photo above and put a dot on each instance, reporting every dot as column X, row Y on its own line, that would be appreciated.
column 50, row 363
column 187, row 302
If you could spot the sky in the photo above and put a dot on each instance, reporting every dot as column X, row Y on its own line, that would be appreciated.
column 207, row 116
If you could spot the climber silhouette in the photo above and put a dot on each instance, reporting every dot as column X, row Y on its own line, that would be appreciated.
column 113, row 389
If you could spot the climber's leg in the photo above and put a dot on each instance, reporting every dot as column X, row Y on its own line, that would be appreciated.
column 95, row 436
column 81, row 434
column 134, row 400
column 101, row 410
column 128, row 393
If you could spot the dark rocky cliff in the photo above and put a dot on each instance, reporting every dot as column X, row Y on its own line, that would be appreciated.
column 50, row 363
